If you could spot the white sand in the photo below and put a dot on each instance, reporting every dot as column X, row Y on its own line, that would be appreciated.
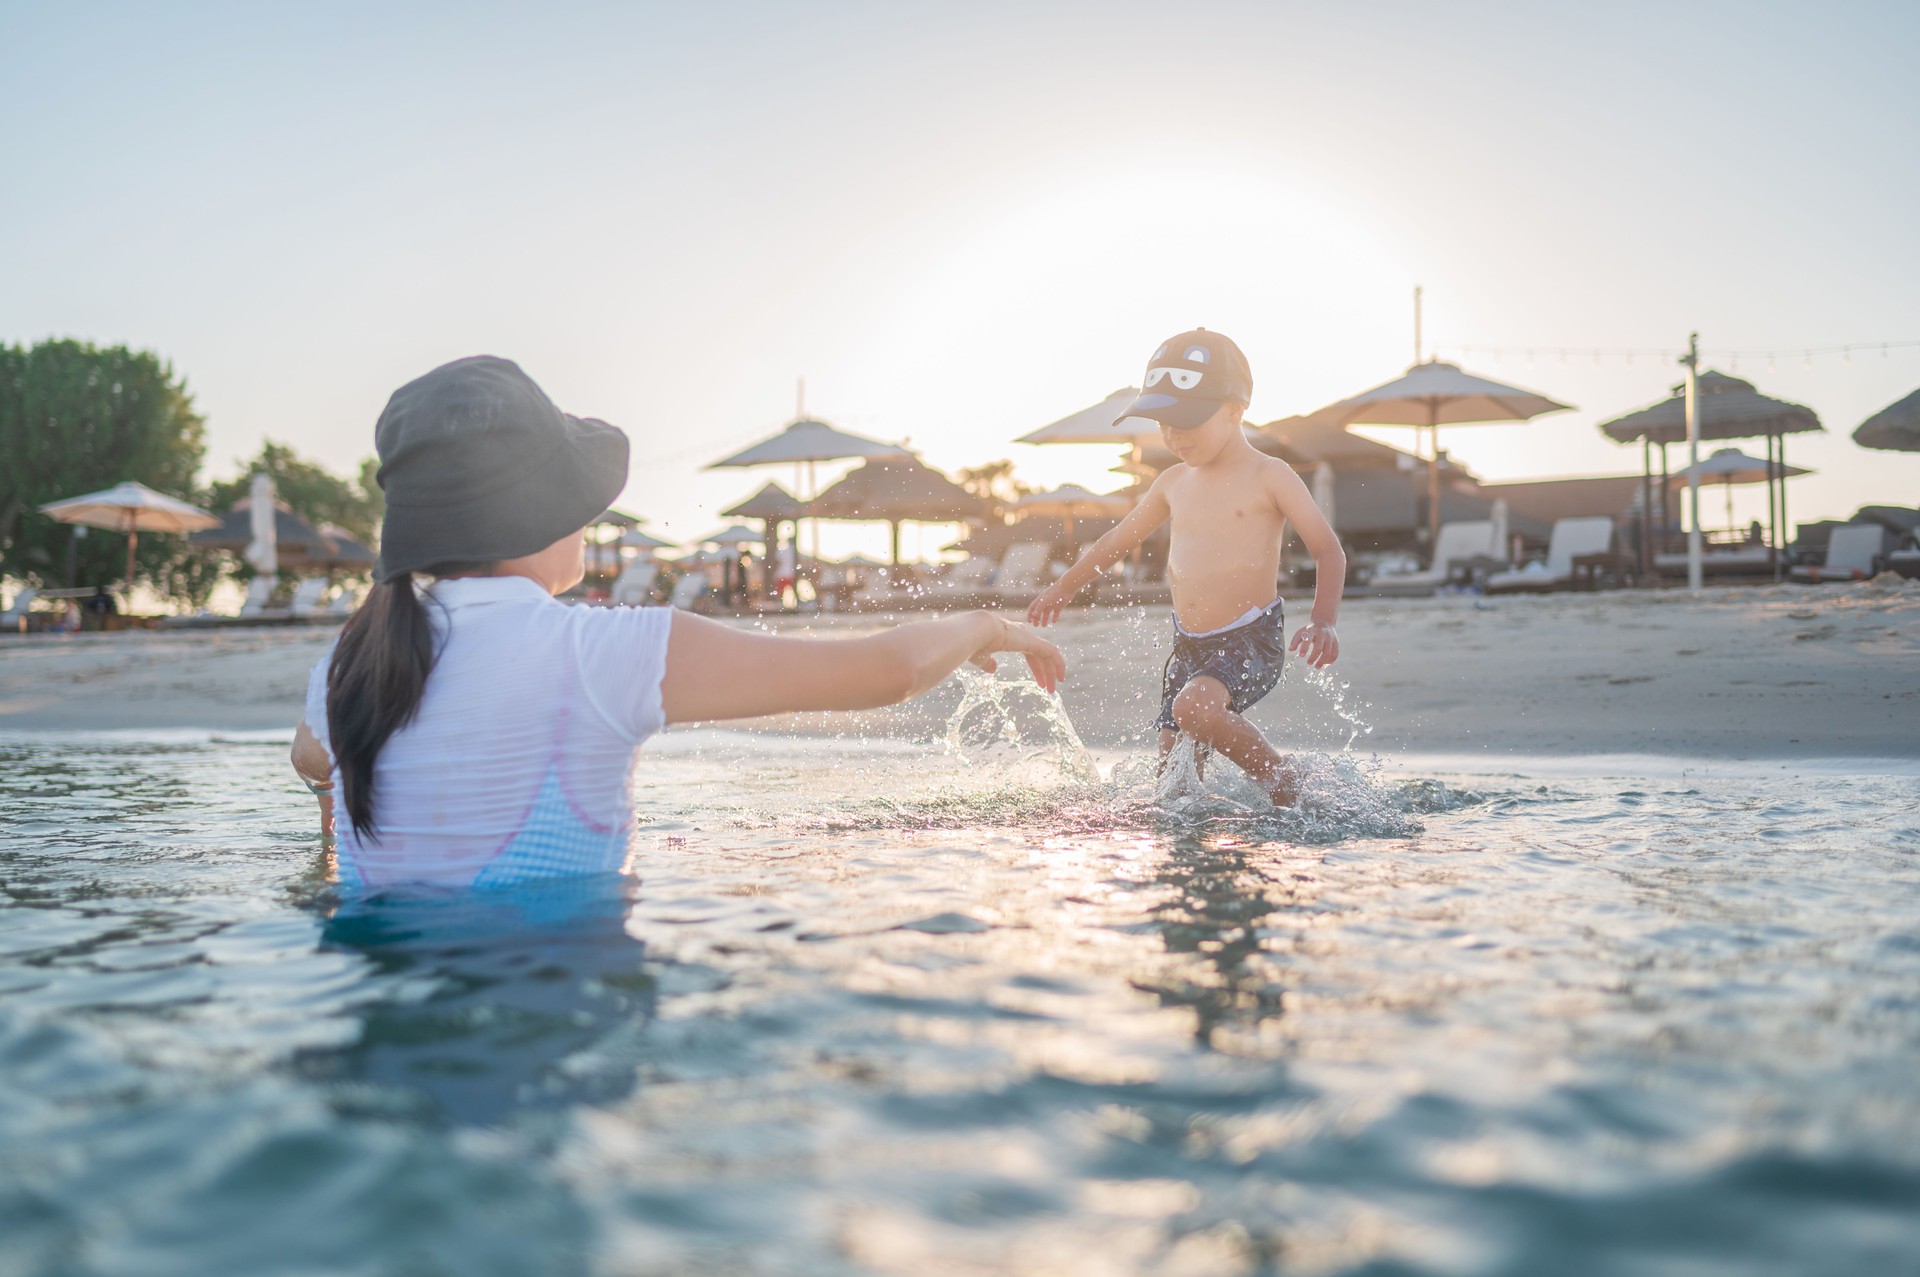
column 1772, row 672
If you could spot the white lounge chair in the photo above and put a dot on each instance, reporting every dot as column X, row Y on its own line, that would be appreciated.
column 1852, row 552
column 259, row 590
column 968, row 577
column 687, row 591
column 634, row 587
column 1023, row 572
column 309, row 597
column 1457, row 542
column 1571, row 539
column 15, row 617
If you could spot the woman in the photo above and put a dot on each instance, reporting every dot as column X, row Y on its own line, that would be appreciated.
column 478, row 733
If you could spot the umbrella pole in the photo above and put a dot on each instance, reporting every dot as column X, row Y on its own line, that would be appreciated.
column 1785, row 527
column 133, row 539
column 1646, row 509
column 893, row 526
column 1433, row 477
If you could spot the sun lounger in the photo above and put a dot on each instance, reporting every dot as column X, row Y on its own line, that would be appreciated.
column 309, row 598
column 1572, row 540
column 1906, row 560
column 259, row 590
column 1749, row 560
column 634, row 586
column 1457, row 543
column 688, row 590
column 1853, row 552
column 14, row 619
column 1023, row 572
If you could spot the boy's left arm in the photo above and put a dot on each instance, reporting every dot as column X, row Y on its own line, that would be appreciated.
column 1316, row 642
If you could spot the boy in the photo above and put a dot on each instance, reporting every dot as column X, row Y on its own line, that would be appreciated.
column 1230, row 505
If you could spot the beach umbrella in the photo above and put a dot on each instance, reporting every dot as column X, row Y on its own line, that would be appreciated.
column 1728, row 466
column 1895, row 427
column 1435, row 394
column 638, row 540
column 803, row 442
column 1730, row 408
column 263, row 548
column 1070, row 502
column 131, row 508
column 297, row 544
column 896, row 490
column 773, row 505
column 732, row 537
column 1098, row 424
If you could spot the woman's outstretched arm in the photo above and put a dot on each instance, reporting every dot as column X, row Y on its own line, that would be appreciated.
column 716, row 671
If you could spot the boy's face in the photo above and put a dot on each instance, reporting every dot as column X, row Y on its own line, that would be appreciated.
column 1202, row 443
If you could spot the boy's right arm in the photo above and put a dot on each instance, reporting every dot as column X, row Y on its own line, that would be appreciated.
column 1101, row 555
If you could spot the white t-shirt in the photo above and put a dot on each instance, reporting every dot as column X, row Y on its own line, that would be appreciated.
column 519, row 763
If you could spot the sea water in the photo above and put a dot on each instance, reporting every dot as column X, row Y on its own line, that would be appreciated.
column 984, row 1002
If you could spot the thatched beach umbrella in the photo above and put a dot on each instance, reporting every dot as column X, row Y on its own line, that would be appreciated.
column 131, row 508
column 1435, row 394
column 895, row 491
column 1071, row 501
column 297, row 543
column 1730, row 408
column 1895, row 427
column 773, row 505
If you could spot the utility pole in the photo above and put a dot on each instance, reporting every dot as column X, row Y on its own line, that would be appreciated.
column 1416, row 323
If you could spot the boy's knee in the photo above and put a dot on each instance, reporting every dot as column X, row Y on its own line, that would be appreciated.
column 1199, row 706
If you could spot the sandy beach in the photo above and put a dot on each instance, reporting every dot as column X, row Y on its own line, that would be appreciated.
column 1766, row 672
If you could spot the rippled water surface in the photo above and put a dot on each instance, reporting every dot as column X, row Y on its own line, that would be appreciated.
column 877, row 1006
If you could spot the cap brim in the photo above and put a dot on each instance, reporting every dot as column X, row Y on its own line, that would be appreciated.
column 1172, row 410
column 578, row 481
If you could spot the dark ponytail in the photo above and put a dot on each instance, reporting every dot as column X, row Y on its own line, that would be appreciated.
column 375, row 684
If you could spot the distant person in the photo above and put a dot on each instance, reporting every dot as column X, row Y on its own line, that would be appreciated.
column 476, row 731
column 1229, row 505
column 99, row 606
column 784, row 581
column 1755, row 534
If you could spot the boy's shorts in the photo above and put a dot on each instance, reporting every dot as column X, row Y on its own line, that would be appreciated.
column 1248, row 659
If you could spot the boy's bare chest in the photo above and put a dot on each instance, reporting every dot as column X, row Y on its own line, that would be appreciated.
column 1243, row 509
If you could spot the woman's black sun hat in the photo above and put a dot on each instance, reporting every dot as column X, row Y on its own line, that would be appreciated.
column 478, row 465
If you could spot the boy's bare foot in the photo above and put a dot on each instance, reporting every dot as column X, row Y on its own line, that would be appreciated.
column 1283, row 784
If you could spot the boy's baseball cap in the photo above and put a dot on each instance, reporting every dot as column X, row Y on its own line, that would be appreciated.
column 1188, row 379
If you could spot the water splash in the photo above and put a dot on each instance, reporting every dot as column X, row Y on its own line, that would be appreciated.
column 1334, row 691
column 1017, row 727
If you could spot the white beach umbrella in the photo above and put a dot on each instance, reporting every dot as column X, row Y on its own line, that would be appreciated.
column 1435, row 394
column 1728, row 466
column 807, row 440
column 803, row 442
column 634, row 538
column 131, row 508
column 263, row 551
column 1097, row 424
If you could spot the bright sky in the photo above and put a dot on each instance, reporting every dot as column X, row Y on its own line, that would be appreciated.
column 961, row 222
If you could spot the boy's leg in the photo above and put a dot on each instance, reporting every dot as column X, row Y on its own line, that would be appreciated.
column 1203, row 709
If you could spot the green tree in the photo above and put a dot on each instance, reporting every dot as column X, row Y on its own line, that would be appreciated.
column 75, row 418
column 311, row 491
column 994, row 482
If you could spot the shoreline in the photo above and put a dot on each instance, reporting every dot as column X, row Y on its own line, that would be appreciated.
column 1740, row 675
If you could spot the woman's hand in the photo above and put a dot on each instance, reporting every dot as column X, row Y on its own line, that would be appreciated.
column 1316, row 644
column 1043, row 658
